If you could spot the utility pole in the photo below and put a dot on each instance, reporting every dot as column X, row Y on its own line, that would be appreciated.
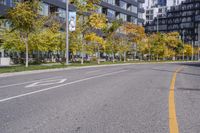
column 67, row 32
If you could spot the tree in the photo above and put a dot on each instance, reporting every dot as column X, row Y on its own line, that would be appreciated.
column 188, row 50
column 42, row 39
column 83, row 8
column 111, row 35
column 97, row 22
column 76, row 43
column 98, row 44
column 123, row 47
column 157, row 45
column 173, row 44
column 24, row 19
column 143, row 47
column 134, row 32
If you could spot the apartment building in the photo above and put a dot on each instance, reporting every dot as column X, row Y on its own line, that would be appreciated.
column 183, row 18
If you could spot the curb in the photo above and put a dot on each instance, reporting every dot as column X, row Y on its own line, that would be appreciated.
column 81, row 67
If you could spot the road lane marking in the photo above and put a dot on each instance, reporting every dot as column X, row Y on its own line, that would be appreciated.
column 46, row 82
column 17, row 84
column 61, row 85
column 173, row 124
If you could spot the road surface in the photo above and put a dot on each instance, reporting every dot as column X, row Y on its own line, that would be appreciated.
column 138, row 98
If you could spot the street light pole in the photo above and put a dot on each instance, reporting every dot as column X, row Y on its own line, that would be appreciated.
column 67, row 32
column 183, row 45
column 198, row 41
column 192, row 50
column 157, row 23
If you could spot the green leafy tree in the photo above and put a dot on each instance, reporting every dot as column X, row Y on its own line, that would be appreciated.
column 134, row 32
column 188, row 50
column 143, row 47
column 83, row 7
column 97, row 22
column 123, row 47
column 111, row 36
column 42, row 39
column 98, row 44
column 157, row 45
column 173, row 45
column 24, row 20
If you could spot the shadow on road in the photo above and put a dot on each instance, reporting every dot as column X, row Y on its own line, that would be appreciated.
column 192, row 74
column 189, row 89
column 195, row 64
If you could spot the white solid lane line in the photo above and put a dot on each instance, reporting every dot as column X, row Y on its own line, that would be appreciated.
column 61, row 85
column 5, row 86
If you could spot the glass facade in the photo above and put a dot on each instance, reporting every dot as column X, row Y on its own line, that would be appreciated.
column 110, row 13
column 123, row 5
column 44, row 9
column 3, row 2
column 62, row 13
column 121, row 9
column 130, row 13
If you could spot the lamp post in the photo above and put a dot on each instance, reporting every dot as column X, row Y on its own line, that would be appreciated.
column 157, row 23
column 183, row 45
column 198, row 42
column 158, row 20
column 192, row 50
column 67, row 32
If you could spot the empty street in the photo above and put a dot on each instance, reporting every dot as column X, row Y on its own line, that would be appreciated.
column 132, row 98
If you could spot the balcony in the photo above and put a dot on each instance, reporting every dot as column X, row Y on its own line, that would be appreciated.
column 117, row 9
column 60, row 4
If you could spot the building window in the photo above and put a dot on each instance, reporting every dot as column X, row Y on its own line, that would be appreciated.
column 123, row 5
column 99, row 10
column 134, row 9
column 110, row 13
column 44, row 9
column 134, row 20
column 62, row 13
column 110, row 1
column 140, row 15
column 123, row 17
column 3, row 2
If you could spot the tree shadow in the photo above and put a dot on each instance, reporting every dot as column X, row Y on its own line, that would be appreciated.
column 194, row 64
column 185, row 73
column 189, row 89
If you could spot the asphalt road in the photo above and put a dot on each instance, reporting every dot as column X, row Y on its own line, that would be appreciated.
column 117, row 99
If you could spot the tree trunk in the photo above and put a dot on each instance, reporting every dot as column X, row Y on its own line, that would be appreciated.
column 157, row 57
column 82, row 48
column 113, row 55
column 141, row 56
column 98, row 58
column 149, row 55
column 124, row 56
column 26, row 43
column 82, row 58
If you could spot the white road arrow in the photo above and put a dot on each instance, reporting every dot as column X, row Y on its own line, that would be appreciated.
column 45, row 83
